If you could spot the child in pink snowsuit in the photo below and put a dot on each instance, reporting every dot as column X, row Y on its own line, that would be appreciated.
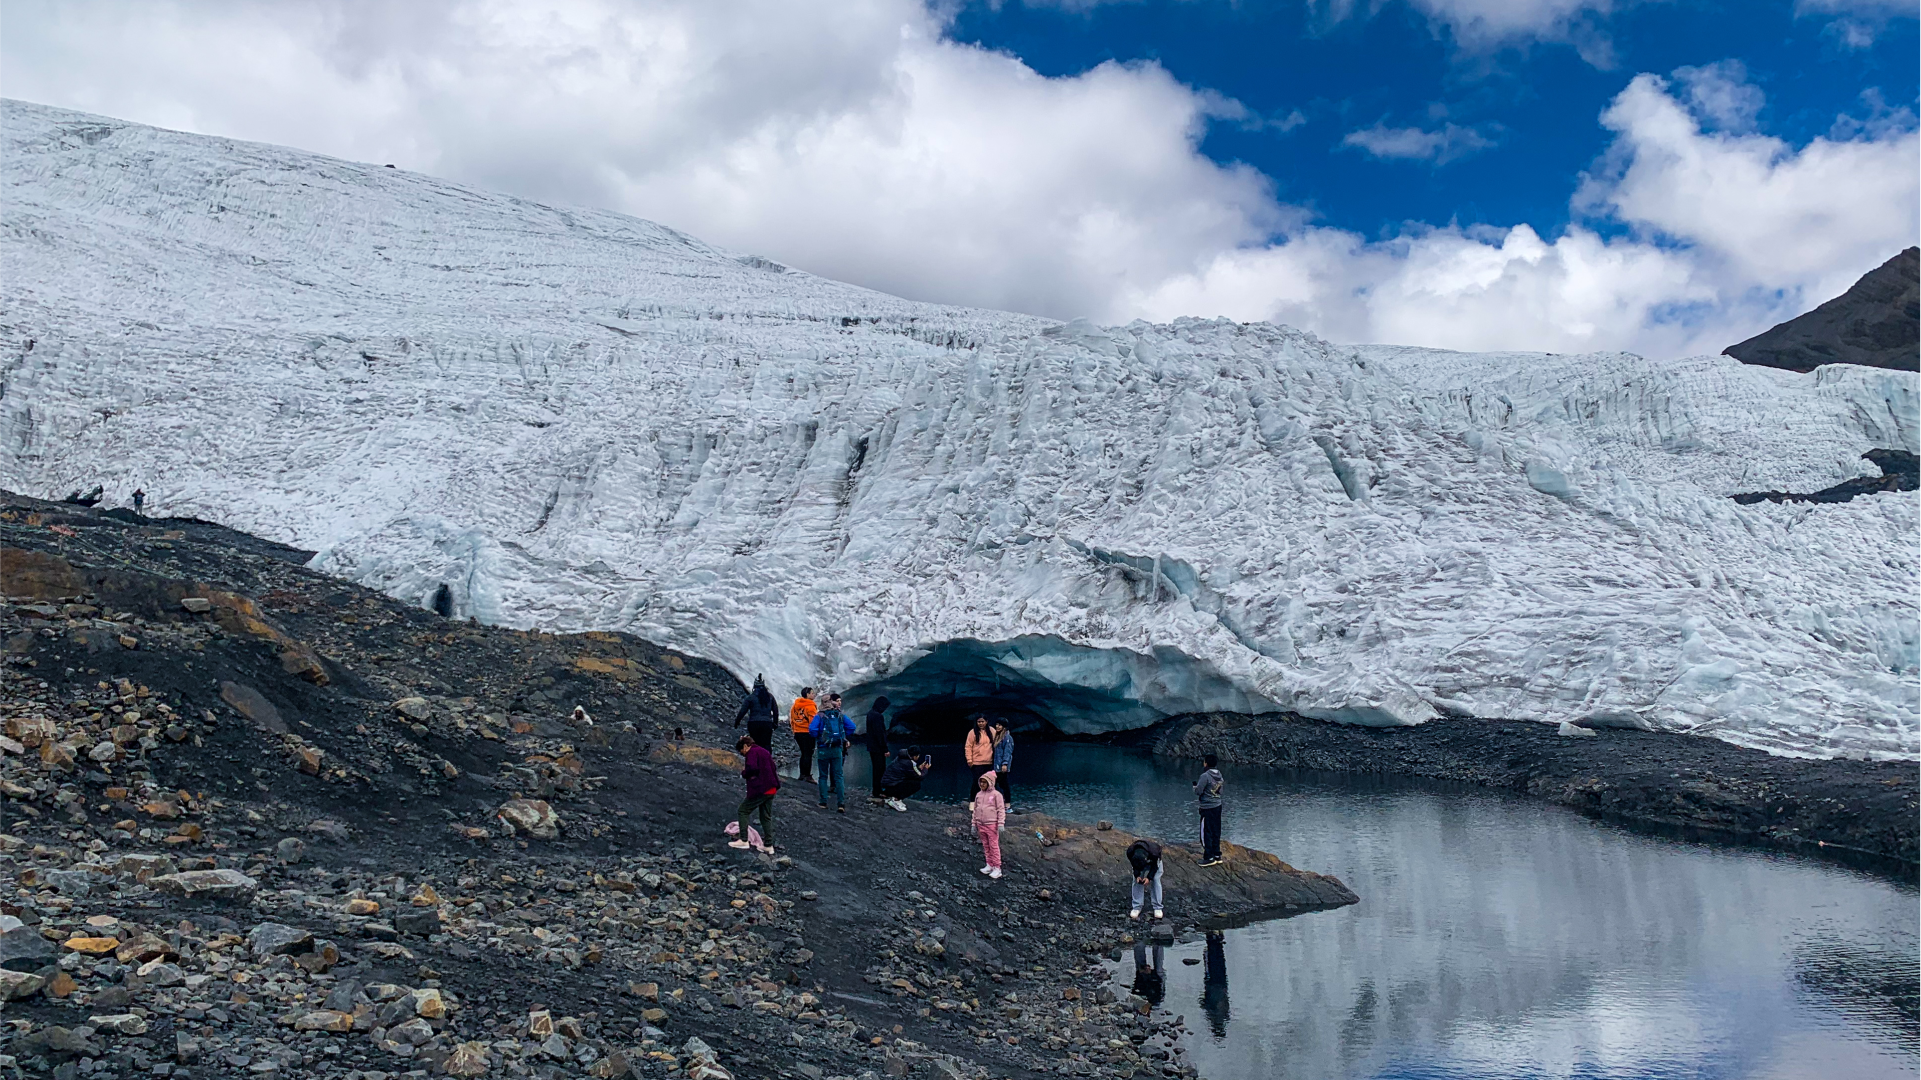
column 990, row 816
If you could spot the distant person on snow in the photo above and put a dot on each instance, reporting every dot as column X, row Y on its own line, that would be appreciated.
column 903, row 776
column 990, row 817
column 800, row 721
column 832, row 731
column 1207, row 793
column 1003, row 759
column 979, row 752
column 758, row 709
column 1144, row 859
column 762, row 783
column 877, row 743
column 139, row 500
column 581, row 719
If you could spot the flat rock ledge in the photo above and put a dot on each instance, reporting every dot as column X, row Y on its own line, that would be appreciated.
column 1247, row 886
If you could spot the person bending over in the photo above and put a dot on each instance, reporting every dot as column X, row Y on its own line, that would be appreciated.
column 763, row 782
column 1144, row 858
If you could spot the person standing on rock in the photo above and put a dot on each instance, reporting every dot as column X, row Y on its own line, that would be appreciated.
column 832, row 731
column 979, row 752
column 1144, row 859
column 877, row 743
column 903, row 776
column 758, row 709
column 1003, row 759
column 763, row 782
column 990, row 817
column 800, row 720
column 139, row 501
column 1207, row 792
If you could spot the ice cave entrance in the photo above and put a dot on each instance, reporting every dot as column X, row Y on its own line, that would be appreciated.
column 1044, row 686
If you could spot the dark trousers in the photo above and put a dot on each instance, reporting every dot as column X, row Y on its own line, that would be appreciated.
column 877, row 759
column 806, row 744
column 764, row 804
column 974, row 785
column 1004, row 782
column 762, row 732
column 1210, row 832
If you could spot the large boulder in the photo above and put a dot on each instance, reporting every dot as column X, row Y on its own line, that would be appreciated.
column 531, row 817
column 224, row 885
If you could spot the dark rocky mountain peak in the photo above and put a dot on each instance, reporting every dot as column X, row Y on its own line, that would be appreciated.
column 1876, row 323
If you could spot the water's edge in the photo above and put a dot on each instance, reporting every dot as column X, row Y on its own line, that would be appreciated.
column 1862, row 812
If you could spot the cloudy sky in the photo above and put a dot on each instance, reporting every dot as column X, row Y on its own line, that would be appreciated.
column 1655, row 175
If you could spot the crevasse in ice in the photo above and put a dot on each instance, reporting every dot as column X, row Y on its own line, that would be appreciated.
column 577, row 419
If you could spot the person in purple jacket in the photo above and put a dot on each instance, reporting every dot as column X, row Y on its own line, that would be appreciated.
column 762, row 782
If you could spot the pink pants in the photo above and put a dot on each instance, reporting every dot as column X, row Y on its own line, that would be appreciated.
column 990, row 843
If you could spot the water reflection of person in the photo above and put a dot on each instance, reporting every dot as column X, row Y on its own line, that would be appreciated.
column 1150, row 979
column 1214, row 984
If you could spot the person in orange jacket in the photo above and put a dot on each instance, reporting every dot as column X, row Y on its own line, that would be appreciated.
column 979, row 752
column 799, row 718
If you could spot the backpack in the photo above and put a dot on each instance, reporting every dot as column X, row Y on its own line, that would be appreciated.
column 833, row 729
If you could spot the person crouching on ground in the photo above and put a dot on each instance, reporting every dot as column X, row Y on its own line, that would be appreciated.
column 762, row 783
column 1144, row 858
column 832, row 731
column 990, row 817
column 903, row 777
column 800, row 721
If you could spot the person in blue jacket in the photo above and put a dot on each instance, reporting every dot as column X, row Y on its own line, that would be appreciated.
column 832, row 731
column 1003, row 760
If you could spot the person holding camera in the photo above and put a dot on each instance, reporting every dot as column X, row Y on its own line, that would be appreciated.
column 903, row 776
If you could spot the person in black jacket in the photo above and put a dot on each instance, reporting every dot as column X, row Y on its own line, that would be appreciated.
column 904, row 772
column 759, row 709
column 877, row 742
column 1144, row 858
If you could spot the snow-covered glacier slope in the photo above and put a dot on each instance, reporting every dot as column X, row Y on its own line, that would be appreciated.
column 577, row 419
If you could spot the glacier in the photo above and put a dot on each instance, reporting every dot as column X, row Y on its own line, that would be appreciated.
column 576, row 419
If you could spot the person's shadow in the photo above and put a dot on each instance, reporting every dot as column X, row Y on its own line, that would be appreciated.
column 1214, row 983
column 1150, row 978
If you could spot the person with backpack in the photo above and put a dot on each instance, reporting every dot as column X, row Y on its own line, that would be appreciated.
column 758, row 709
column 990, row 817
column 832, row 731
column 763, row 782
column 903, row 776
column 979, row 753
column 877, row 743
column 1144, row 859
column 1003, row 738
column 1207, row 792
column 800, row 721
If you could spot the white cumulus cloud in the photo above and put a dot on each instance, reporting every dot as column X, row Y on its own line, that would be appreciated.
column 855, row 140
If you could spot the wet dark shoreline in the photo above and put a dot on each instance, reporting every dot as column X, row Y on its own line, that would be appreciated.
column 1859, row 812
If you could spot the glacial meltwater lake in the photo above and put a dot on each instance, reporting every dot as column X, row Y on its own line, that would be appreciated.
column 1501, row 937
